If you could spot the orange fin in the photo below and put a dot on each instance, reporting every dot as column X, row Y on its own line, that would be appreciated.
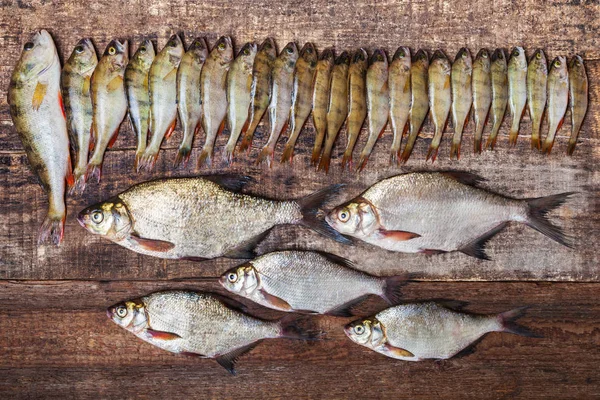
column 171, row 129
column 447, row 83
column 113, row 138
column 275, row 301
column 70, row 178
column 162, row 335
column 115, row 83
column 399, row 236
column 62, row 105
column 39, row 94
column 152, row 244
column 86, row 86
column 397, row 351
column 221, row 127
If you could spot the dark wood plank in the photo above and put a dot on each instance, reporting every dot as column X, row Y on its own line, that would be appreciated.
column 58, row 341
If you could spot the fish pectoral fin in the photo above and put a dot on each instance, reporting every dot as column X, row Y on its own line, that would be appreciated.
column 86, row 85
column 476, row 247
column 397, row 351
column 162, row 335
column 152, row 244
column 463, row 177
column 231, row 182
column 38, row 95
column 398, row 236
column 275, row 301
column 115, row 83
column 171, row 76
column 228, row 360
column 345, row 310
column 246, row 249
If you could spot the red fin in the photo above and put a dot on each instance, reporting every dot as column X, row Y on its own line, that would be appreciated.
column 560, row 124
column 276, row 302
column 221, row 127
column 151, row 244
column 70, row 178
column 162, row 335
column 62, row 106
column 171, row 129
column 113, row 138
column 399, row 236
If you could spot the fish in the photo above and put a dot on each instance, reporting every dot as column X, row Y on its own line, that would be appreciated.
column 304, row 77
column 357, row 102
column 36, row 108
column 462, row 97
column 428, row 330
column 200, row 218
column 378, row 104
column 498, row 70
column 162, row 89
column 138, row 99
column 337, row 112
column 440, row 99
column 578, row 98
column 434, row 212
column 482, row 95
column 558, row 98
column 517, row 91
column 189, row 103
column 537, row 78
column 400, row 94
column 109, row 103
column 200, row 324
column 260, row 94
column 419, row 104
column 321, row 100
column 75, row 82
column 239, row 87
column 213, row 89
column 281, row 99
column 309, row 282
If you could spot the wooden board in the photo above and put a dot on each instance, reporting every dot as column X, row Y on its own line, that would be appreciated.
column 57, row 342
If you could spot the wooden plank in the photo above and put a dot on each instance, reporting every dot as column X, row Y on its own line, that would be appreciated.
column 76, row 351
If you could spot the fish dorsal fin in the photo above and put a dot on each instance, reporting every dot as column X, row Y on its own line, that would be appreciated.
column 338, row 260
column 162, row 335
column 398, row 236
column 345, row 310
column 464, row 177
column 228, row 360
column 151, row 244
column 230, row 303
column 476, row 247
column 275, row 301
column 232, row 182
column 38, row 95
column 397, row 351
column 246, row 249
column 455, row 305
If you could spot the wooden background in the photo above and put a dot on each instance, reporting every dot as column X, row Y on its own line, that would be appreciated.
column 55, row 339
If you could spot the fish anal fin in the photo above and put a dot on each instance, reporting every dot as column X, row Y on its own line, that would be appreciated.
column 431, row 252
column 463, row 177
column 115, row 83
column 232, row 182
column 152, row 244
column 476, row 247
column 398, row 236
column 345, row 310
column 86, row 85
column 246, row 249
column 397, row 351
column 190, row 354
column 38, row 95
column 195, row 259
column 162, row 335
column 228, row 360
column 275, row 301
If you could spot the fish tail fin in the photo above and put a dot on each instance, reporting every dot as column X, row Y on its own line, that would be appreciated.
column 491, row 142
column 391, row 289
column 477, row 145
column 455, row 150
column 362, row 162
column 137, row 163
column 148, row 160
column 432, row 153
column 183, row 156
column 535, row 143
column 537, row 216
column 290, row 328
column 347, row 161
column 312, row 213
column 325, row 160
column 571, row 147
column 513, row 134
column 266, row 155
column 288, row 153
column 94, row 171
column 205, row 158
column 228, row 154
column 79, row 185
column 52, row 228
column 508, row 323
column 247, row 135
column 547, row 146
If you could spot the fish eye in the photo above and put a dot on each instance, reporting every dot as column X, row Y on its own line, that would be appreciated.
column 401, row 54
column 267, row 45
column 112, row 51
column 97, row 217
column 464, row 54
column 172, row 43
column 379, row 57
column 500, row 55
column 28, row 46
column 309, row 50
column 289, row 50
column 484, row 54
column 538, row 55
column 557, row 63
column 79, row 49
column 232, row 277
column 515, row 52
column 344, row 215
column 221, row 46
column 121, row 311
column 143, row 49
column 359, row 329
column 246, row 51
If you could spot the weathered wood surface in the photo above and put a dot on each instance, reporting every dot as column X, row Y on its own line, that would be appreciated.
column 75, row 350
column 56, row 342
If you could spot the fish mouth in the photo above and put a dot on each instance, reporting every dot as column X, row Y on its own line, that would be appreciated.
column 81, row 219
column 109, row 313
